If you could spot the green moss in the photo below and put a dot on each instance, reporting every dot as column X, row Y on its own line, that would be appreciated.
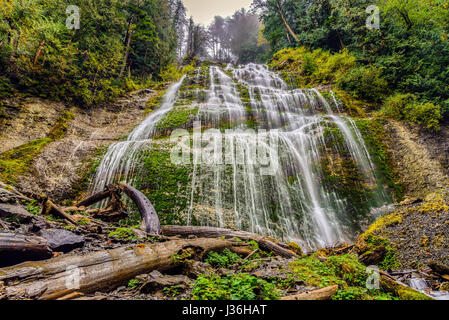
column 18, row 161
column 177, row 118
column 70, row 228
column 123, row 234
column 155, row 101
column 341, row 270
column 164, row 183
column 410, row 294
column 345, row 271
column 372, row 242
column 61, row 126
column 341, row 175
column 374, row 135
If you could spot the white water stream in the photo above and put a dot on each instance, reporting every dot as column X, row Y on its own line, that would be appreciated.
column 285, row 196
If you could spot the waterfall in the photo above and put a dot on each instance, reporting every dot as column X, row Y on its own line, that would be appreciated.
column 121, row 158
column 267, row 176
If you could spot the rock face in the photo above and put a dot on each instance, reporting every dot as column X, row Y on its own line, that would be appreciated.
column 418, row 233
column 61, row 167
column 62, row 240
column 419, row 168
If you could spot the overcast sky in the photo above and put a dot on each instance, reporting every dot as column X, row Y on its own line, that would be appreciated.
column 204, row 11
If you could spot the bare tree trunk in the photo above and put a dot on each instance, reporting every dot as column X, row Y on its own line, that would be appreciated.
column 38, row 52
column 285, row 21
column 128, row 43
column 150, row 220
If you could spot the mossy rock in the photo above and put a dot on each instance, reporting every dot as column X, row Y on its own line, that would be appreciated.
column 18, row 161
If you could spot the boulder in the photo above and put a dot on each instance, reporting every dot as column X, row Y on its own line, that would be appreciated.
column 24, row 217
column 157, row 281
column 62, row 240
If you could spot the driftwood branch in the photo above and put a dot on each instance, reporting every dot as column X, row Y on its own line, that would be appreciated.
column 64, row 275
column 50, row 207
column 265, row 243
column 150, row 220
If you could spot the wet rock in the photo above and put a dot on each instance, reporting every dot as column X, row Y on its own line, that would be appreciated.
column 23, row 216
column 157, row 281
column 373, row 257
column 62, row 240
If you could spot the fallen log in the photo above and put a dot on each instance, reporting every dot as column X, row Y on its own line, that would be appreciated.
column 319, row 294
column 63, row 275
column 265, row 243
column 15, row 248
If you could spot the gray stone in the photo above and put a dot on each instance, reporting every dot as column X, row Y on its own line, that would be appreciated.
column 62, row 240
column 157, row 281
column 24, row 217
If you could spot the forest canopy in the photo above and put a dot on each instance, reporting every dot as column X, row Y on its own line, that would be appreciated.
column 114, row 43
column 409, row 50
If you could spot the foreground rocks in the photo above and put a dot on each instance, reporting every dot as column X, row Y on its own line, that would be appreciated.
column 111, row 262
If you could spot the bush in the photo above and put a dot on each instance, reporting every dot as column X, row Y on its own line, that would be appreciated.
column 335, row 66
column 233, row 287
column 224, row 260
column 170, row 73
column 405, row 107
column 364, row 83
column 426, row 114
column 395, row 105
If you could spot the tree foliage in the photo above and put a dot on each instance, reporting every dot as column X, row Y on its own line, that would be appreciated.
column 410, row 51
column 116, row 40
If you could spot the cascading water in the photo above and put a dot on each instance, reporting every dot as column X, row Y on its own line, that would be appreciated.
column 264, row 172
column 121, row 158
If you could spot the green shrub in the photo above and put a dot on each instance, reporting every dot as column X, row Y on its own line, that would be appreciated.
column 133, row 283
column 426, row 114
column 226, row 259
column 170, row 73
column 335, row 66
column 396, row 104
column 405, row 107
column 364, row 83
column 33, row 207
column 233, row 287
